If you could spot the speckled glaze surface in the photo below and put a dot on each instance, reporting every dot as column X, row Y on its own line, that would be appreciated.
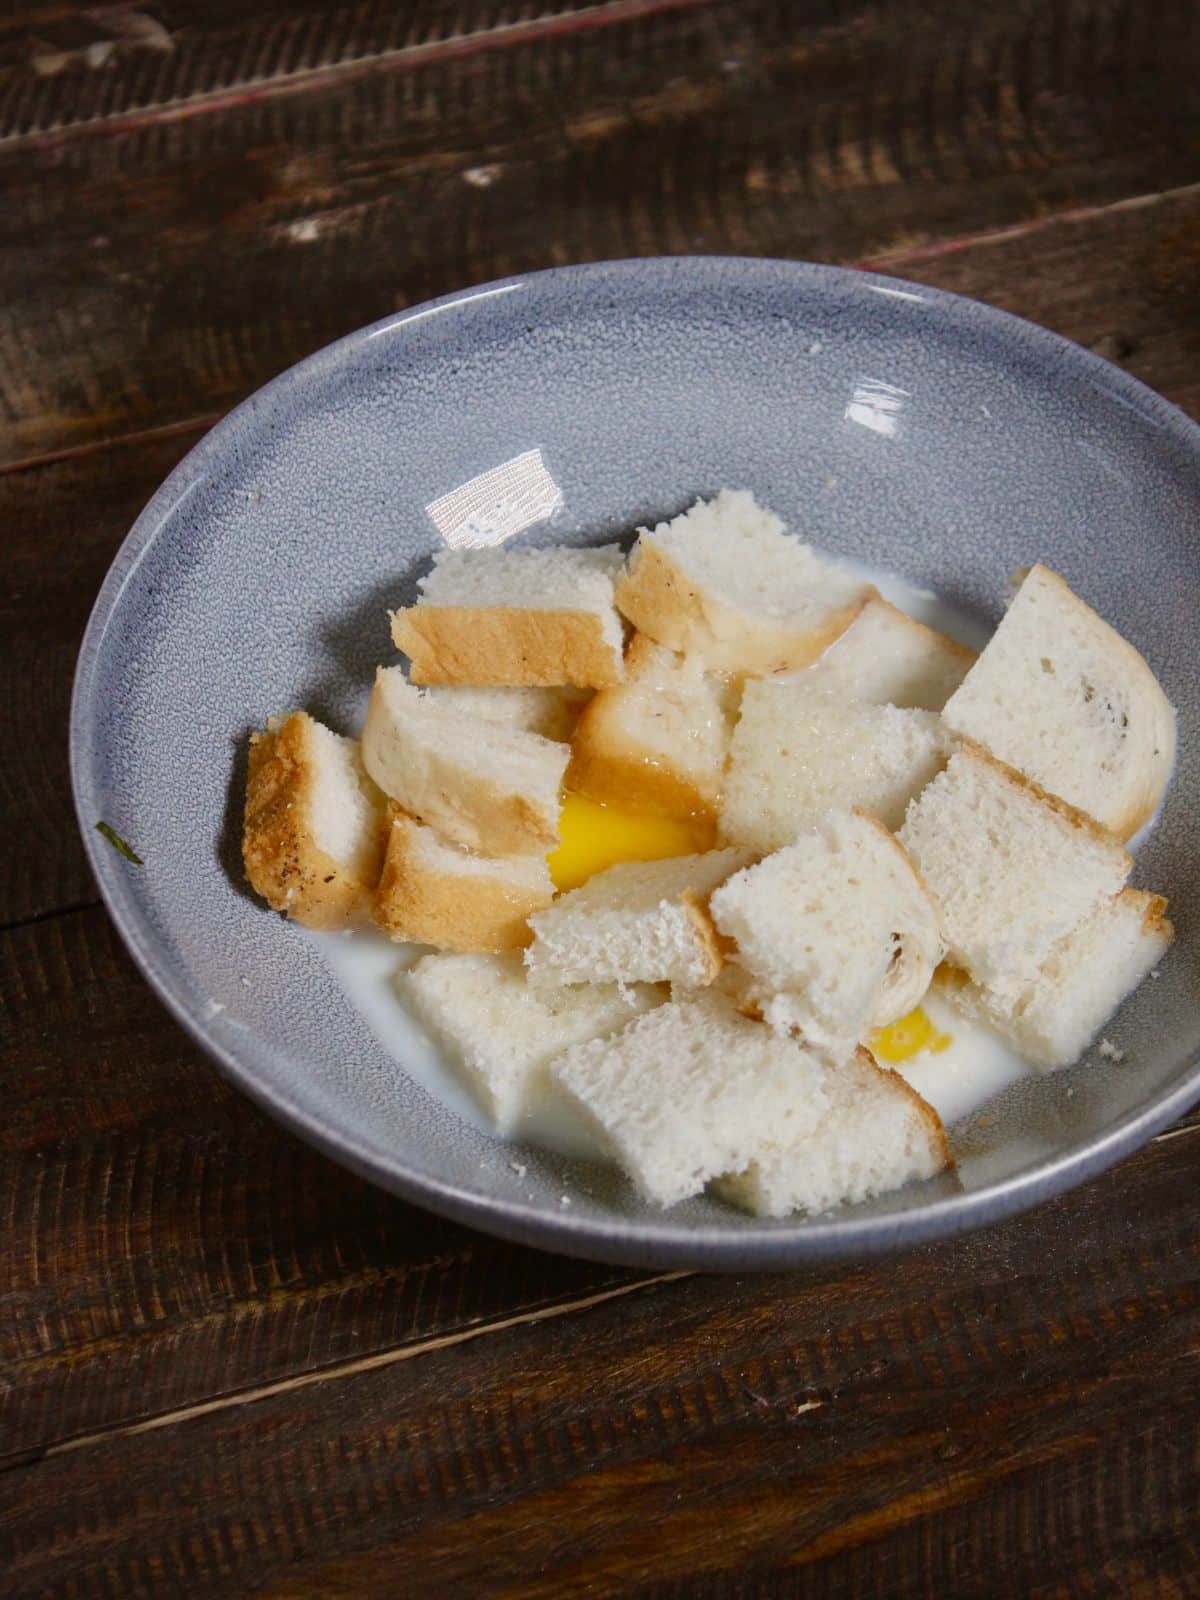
column 887, row 422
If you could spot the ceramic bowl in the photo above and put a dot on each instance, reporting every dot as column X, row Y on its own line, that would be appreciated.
column 885, row 421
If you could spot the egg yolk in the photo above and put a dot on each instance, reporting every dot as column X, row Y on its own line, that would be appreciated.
column 593, row 836
column 902, row 1040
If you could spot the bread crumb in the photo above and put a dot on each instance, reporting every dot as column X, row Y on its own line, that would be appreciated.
column 564, row 1199
column 1110, row 1052
column 1154, row 972
column 245, row 983
column 518, row 1168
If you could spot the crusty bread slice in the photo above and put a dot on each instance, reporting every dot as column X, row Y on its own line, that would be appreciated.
column 434, row 893
column 724, row 582
column 487, row 787
column 312, row 841
column 516, row 617
column 1011, row 870
column 798, row 751
column 1063, row 698
column 889, row 658
column 658, row 741
column 690, row 1091
column 552, row 712
column 875, row 1135
column 499, row 1034
column 836, row 932
column 640, row 921
column 1080, row 984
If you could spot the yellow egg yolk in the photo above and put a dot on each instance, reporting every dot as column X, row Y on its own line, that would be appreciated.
column 902, row 1040
column 594, row 836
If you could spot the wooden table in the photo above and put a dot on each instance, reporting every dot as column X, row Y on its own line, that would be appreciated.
column 228, row 1366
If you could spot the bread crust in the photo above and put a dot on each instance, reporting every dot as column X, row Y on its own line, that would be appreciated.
column 659, row 599
column 607, row 765
column 506, row 647
column 283, row 864
column 1156, row 772
column 941, row 642
column 602, row 771
column 1063, row 808
column 1154, row 720
column 695, row 908
column 477, row 812
column 939, row 1145
column 471, row 914
column 494, row 821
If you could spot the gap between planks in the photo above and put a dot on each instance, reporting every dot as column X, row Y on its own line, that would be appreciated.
column 888, row 263
column 1069, row 217
column 604, row 14
column 344, row 1369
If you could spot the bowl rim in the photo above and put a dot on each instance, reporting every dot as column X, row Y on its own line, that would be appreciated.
column 656, row 1242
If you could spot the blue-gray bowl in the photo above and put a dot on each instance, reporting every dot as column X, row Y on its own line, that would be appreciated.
column 888, row 422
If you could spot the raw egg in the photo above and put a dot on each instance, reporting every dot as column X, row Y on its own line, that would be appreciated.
column 593, row 836
column 908, row 1037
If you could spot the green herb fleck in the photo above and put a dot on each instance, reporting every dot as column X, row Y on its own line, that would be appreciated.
column 119, row 845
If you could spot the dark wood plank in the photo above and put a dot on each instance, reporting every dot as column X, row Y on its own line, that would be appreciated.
column 162, row 1243
column 1123, row 279
column 62, row 528
column 183, row 259
column 1004, row 1414
column 65, row 68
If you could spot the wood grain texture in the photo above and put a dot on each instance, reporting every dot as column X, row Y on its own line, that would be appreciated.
column 183, row 260
column 225, row 1365
column 1123, row 280
column 994, row 1415
column 62, row 528
column 162, row 1243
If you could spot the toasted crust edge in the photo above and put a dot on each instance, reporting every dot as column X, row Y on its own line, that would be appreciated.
column 1151, row 781
column 416, row 902
column 607, row 765
column 974, row 751
column 695, row 909
column 939, row 1144
column 658, row 598
column 945, row 644
column 282, row 862
column 600, row 772
column 505, row 647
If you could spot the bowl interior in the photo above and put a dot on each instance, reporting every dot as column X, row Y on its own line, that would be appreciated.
column 885, row 422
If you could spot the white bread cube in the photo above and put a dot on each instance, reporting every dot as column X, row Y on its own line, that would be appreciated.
column 313, row 833
column 836, row 932
column 640, row 921
column 875, row 1135
column 516, row 617
column 658, row 741
column 487, row 787
column 726, row 583
column 499, row 1034
column 798, row 752
column 889, row 658
column 690, row 1091
column 1063, row 698
column 552, row 712
column 434, row 893
column 1080, row 984
column 1012, row 870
